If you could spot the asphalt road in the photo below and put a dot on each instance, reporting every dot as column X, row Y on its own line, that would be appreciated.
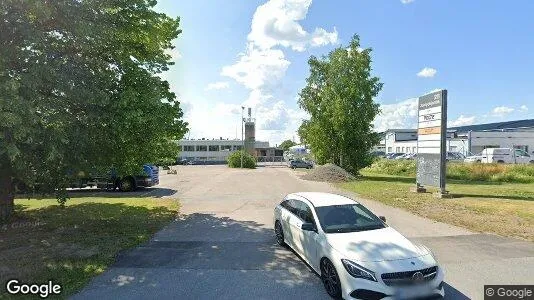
column 223, row 245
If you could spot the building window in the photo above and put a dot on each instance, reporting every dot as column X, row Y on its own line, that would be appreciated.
column 237, row 147
column 398, row 150
column 202, row 148
column 453, row 148
column 390, row 149
column 414, row 149
column 521, row 147
column 226, row 147
column 189, row 148
column 214, row 148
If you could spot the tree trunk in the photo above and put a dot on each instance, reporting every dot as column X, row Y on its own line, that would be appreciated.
column 6, row 194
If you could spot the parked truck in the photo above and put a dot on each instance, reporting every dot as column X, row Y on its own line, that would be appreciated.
column 112, row 180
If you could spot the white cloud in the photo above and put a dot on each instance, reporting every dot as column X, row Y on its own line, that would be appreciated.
column 219, row 85
column 407, row 1
column 502, row 110
column 275, row 118
column 277, row 23
column 523, row 108
column 462, row 121
column 256, row 67
column 263, row 65
column 398, row 115
column 427, row 72
column 226, row 109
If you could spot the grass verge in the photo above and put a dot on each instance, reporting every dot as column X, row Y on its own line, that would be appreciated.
column 504, row 209
column 517, row 173
column 71, row 245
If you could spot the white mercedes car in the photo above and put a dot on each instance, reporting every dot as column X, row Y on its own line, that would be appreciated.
column 357, row 255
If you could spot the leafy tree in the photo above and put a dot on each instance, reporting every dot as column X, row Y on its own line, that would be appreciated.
column 339, row 98
column 234, row 160
column 285, row 145
column 80, row 91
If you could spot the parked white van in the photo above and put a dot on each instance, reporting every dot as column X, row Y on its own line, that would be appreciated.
column 501, row 155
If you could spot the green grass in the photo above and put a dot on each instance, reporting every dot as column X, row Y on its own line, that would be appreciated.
column 517, row 173
column 74, row 244
column 503, row 208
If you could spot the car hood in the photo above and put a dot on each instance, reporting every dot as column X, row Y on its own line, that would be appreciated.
column 384, row 244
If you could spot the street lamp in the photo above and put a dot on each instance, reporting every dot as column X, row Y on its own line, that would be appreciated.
column 242, row 139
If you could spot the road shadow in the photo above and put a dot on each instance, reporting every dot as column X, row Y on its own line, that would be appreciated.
column 203, row 256
column 453, row 294
column 406, row 179
column 389, row 179
column 506, row 197
column 151, row 192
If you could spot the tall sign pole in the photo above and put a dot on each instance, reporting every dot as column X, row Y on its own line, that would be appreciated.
column 242, row 139
column 431, row 141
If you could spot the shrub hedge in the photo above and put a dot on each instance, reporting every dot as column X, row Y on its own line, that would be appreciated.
column 519, row 173
column 234, row 160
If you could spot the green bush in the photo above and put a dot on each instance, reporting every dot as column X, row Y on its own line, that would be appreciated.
column 234, row 160
column 392, row 167
column 523, row 173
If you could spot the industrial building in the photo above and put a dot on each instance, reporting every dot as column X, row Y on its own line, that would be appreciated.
column 216, row 151
column 213, row 151
column 467, row 140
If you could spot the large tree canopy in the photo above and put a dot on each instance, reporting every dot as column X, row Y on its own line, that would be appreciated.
column 79, row 90
column 338, row 97
column 285, row 145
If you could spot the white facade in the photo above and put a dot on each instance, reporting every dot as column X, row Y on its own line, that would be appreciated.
column 211, row 150
column 405, row 141
column 523, row 139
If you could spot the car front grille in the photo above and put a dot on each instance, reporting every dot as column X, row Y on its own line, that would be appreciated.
column 409, row 277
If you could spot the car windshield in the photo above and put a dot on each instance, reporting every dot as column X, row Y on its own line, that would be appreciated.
column 347, row 218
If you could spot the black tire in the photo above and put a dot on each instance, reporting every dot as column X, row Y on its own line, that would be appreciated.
column 500, row 162
column 127, row 184
column 478, row 161
column 279, row 234
column 532, row 161
column 330, row 279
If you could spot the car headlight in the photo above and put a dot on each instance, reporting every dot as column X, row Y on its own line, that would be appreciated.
column 357, row 271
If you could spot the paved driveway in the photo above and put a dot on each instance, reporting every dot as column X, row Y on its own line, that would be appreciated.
column 223, row 245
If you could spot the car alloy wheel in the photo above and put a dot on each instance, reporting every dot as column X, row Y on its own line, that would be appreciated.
column 279, row 234
column 330, row 279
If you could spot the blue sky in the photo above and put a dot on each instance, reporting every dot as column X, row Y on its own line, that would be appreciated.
column 255, row 53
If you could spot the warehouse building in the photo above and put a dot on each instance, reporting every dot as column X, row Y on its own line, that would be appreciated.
column 467, row 140
column 212, row 151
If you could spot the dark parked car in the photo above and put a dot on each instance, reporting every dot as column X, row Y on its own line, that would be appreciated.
column 300, row 164
column 394, row 155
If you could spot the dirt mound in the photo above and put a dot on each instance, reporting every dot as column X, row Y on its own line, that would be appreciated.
column 329, row 173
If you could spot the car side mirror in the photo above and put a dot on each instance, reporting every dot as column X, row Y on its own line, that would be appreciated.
column 308, row 227
column 383, row 219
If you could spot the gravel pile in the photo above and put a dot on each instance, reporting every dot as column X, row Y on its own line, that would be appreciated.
column 329, row 173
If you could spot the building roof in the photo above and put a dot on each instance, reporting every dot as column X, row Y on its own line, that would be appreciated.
column 401, row 130
column 495, row 126
column 518, row 124
column 322, row 199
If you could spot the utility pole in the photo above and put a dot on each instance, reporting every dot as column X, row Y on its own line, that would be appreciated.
column 242, row 139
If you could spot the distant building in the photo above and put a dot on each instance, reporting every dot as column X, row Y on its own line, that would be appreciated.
column 467, row 140
column 212, row 151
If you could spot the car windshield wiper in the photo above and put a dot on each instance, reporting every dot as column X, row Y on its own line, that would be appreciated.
column 355, row 229
column 372, row 227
